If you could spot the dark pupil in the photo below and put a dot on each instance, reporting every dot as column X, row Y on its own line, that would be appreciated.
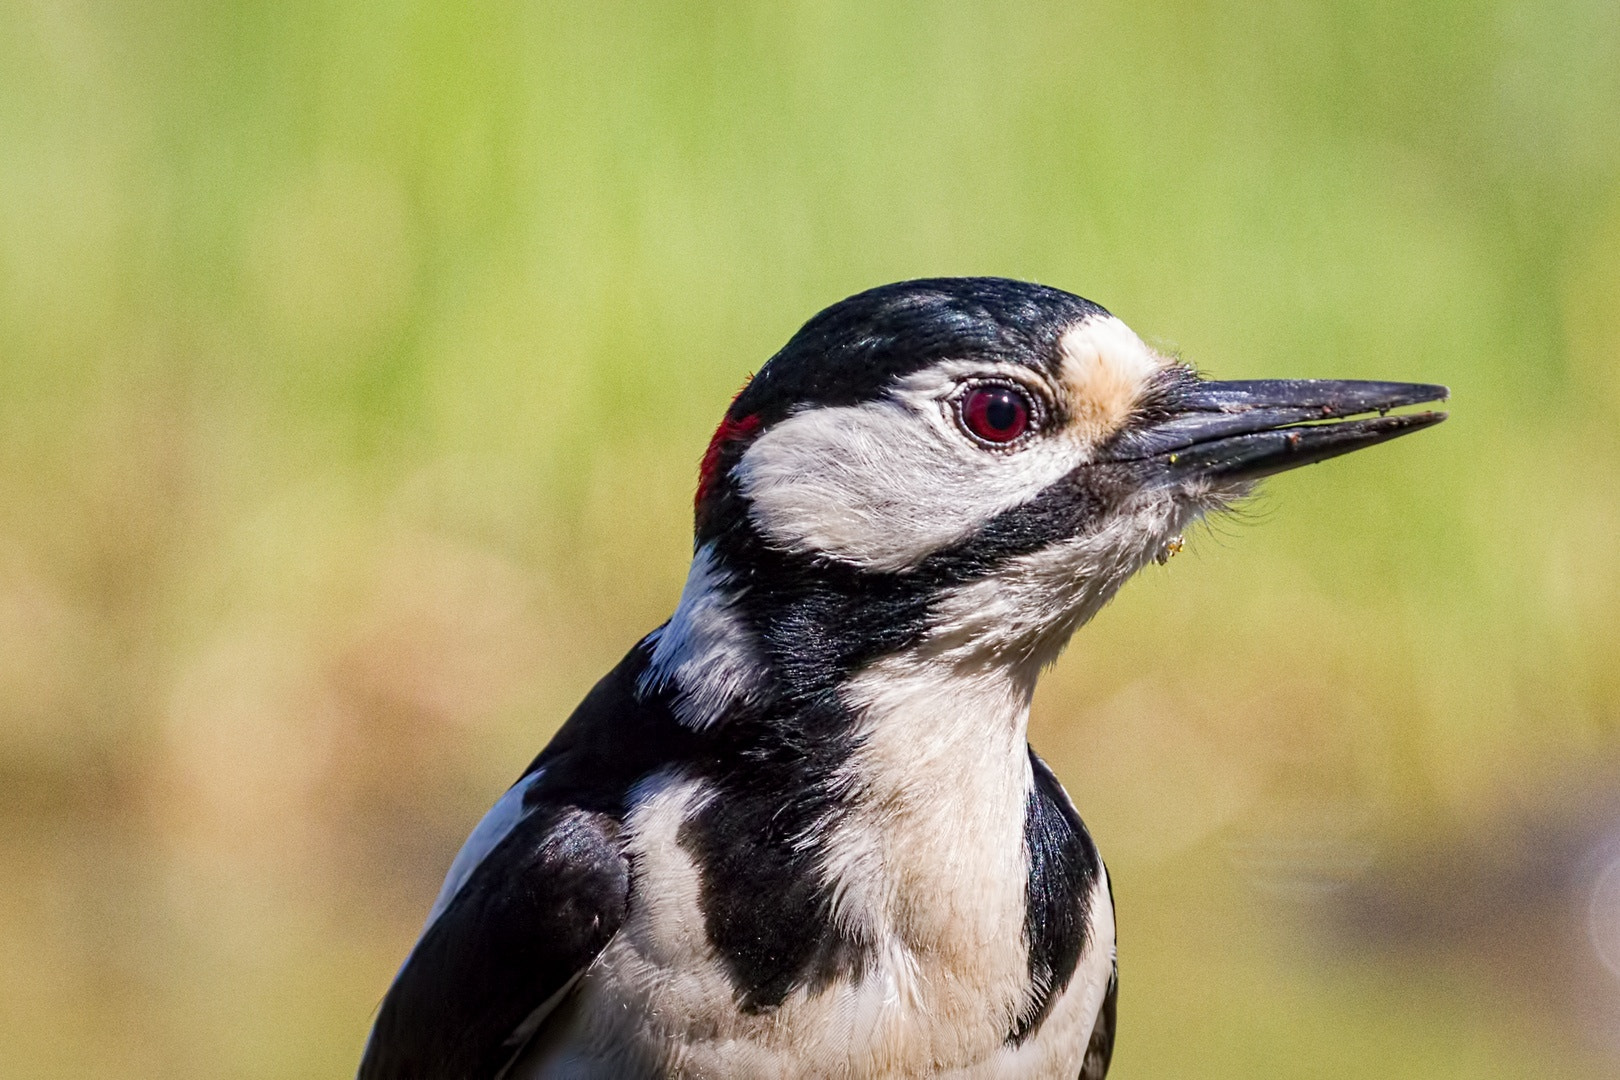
column 1002, row 410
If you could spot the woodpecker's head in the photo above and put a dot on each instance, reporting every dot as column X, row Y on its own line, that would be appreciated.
column 970, row 468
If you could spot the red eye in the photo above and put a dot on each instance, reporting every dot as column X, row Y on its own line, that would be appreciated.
column 997, row 414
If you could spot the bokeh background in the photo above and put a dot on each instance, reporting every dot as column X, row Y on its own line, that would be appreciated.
column 356, row 357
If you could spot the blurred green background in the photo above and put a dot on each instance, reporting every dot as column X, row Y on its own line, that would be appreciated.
column 355, row 360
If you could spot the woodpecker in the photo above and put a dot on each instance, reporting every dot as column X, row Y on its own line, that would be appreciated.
column 798, row 831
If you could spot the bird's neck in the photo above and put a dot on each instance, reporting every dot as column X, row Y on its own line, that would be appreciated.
column 914, row 750
column 706, row 661
column 927, row 834
column 779, row 638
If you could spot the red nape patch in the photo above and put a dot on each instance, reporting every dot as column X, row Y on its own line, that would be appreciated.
column 729, row 431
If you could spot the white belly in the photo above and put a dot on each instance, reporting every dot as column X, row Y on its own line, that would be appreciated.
column 658, row 1002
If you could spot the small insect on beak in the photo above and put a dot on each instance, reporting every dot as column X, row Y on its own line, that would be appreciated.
column 1252, row 429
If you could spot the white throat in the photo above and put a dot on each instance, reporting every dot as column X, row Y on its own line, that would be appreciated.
column 925, row 855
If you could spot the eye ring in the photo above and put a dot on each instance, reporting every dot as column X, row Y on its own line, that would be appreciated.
column 996, row 414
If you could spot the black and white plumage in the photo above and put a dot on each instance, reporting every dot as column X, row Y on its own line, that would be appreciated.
column 798, row 831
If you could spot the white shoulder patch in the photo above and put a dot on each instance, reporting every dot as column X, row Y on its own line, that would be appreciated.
column 703, row 652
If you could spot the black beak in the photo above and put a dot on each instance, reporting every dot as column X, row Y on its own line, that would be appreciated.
column 1248, row 430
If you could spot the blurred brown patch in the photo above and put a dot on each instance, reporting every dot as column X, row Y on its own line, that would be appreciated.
column 1528, row 898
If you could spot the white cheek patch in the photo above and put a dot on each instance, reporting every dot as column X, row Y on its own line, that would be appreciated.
column 884, row 484
column 1106, row 369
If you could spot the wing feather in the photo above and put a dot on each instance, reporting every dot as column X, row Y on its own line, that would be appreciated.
column 538, row 890
column 524, row 923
